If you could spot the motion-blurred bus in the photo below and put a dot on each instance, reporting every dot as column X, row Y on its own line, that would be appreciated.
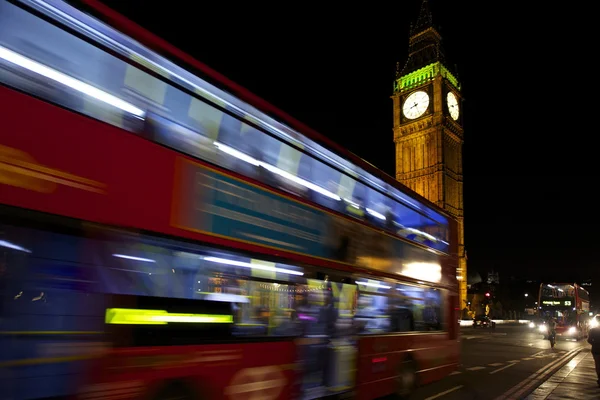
column 164, row 233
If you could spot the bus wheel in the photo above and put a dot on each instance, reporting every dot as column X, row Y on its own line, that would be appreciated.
column 406, row 380
column 175, row 391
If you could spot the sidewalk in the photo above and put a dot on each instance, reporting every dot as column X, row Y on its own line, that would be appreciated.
column 576, row 380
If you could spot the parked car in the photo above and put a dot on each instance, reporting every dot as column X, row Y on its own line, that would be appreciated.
column 483, row 321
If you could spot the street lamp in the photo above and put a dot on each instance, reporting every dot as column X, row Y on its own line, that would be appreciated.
column 526, row 294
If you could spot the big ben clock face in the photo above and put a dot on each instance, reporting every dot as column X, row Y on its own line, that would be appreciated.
column 416, row 104
column 452, row 105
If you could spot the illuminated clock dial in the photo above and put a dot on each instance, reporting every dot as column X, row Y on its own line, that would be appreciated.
column 452, row 105
column 416, row 104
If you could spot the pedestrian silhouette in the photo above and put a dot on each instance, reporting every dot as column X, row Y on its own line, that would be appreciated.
column 594, row 340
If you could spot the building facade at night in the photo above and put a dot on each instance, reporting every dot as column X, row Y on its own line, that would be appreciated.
column 428, row 129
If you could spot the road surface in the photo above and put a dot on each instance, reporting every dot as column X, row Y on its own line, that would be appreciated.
column 501, row 364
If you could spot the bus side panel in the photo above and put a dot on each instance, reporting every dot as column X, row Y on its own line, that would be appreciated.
column 67, row 164
column 226, row 371
column 434, row 356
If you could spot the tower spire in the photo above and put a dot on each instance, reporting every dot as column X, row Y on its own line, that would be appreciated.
column 425, row 19
column 425, row 43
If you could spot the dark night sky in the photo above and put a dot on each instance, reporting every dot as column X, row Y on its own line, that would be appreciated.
column 529, row 168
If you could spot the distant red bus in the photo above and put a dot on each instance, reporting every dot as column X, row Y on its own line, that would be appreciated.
column 162, row 238
column 569, row 305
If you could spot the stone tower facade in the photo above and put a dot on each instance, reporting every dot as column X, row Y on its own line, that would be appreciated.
column 428, row 131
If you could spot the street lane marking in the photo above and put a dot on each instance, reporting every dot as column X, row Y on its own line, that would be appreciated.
column 495, row 364
column 541, row 376
column 456, row 373
column 500, row 369
column 527, row 358
column 538, row 353
column 513, row 361
column 536, row 378
column 551, row 384
column 474, row 368
column 435, row 396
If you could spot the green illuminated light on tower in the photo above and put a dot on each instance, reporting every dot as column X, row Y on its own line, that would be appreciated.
column 423, row 75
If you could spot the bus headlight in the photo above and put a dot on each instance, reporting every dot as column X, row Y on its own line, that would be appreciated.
column 572, row 330
column 543, row 328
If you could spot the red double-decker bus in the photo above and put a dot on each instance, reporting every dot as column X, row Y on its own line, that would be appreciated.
column 569, row 305
column 164, row 233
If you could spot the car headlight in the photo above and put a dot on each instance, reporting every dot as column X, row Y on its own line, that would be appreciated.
column 543, row 328
column 594, row 323
column 531, row 325
column 572, row 330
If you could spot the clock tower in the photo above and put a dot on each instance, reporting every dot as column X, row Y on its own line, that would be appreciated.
column 428, row 130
